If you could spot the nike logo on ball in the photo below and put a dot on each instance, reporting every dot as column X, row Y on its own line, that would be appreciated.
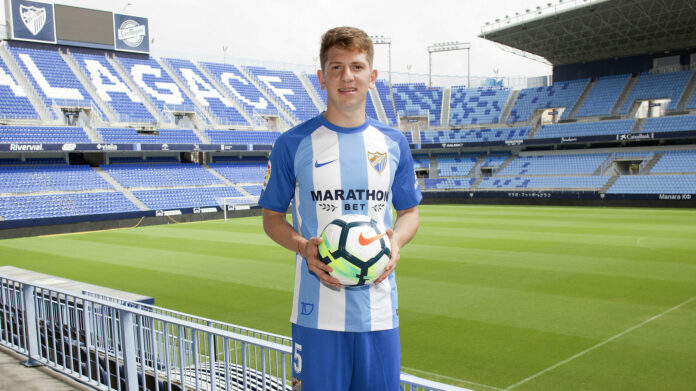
column 317, row 164
column 365, row 241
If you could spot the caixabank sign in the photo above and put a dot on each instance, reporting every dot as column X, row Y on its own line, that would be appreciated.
column 31, row 20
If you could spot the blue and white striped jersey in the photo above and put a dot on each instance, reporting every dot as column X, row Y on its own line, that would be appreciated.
column 327, row 171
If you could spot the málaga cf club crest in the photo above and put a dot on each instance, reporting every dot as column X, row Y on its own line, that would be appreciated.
column 34, row 18
column 378, row 160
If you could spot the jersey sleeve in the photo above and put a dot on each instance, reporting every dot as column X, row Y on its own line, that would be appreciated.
column 279, row 186
column 405, row 189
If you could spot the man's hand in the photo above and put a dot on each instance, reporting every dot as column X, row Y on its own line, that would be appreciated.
column 309, row 250
column 405, row 227
column 393, row 258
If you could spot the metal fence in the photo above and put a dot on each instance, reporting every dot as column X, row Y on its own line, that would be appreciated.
column 111, row 344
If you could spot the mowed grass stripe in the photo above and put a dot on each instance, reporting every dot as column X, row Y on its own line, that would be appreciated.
column 224, row 267
column 582, row 225
column 488, row 294
column 515, row 212
column 589, row 317
column 627, row 380
column 582, row 317
column 631, row 263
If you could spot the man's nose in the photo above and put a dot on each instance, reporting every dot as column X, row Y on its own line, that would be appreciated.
column 347, row 74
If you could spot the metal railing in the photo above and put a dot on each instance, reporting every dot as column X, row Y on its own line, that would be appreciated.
column 113, row 344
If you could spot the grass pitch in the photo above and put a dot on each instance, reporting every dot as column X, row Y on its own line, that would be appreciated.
column 490, row 297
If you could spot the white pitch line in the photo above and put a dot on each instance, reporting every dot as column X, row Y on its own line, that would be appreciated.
column 606, row 341
column 453, row 379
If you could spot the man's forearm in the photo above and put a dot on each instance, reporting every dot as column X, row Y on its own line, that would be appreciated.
column 277, row 228
column 406, row 225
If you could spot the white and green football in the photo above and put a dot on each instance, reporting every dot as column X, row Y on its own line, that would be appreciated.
column 356, row 247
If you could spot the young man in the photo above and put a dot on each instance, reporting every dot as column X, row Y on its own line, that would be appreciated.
column 344, row 339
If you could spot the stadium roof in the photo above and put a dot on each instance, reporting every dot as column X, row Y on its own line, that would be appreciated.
column 583, row 31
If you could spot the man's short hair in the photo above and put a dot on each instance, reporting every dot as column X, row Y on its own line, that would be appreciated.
column 348, row 38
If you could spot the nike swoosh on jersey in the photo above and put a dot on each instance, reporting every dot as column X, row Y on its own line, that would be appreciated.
column 365, row 241
column 317, row 164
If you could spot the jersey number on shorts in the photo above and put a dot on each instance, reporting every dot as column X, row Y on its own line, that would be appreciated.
column 297, row 358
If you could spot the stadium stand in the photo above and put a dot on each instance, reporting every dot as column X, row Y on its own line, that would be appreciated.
column 242, row 137
column 559, row 95
column 577, row 129
column 205, row 93
column 385, row 97
column 448, row 183
column 421, row 162
column 43, row 188
column 474, row 135
column 495, row 159
column 654, row 184
column 187, row 198
column 111, row 88
column 545, row 183
column 36, row 178
column 241, row 89
column 668, row 85
column 161, row 136
column 62, row 205
column 288, row 89
column 155, row 83
column 51, row 76
column 42, row 134
column 575, row 164
column 409, row 136
column 692, row 102
column 241, row 172
column 456, row 165
column 254, row 190
column 166, row 182
column 14, row 103
column 670, row 124
column 676, row 162
column 160, row 175
column 476, row 105
column 415, row 99
column 603, row 96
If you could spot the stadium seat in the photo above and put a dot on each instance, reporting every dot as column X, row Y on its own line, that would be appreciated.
column 476, row 105
column 112, row 89
column 559, row 95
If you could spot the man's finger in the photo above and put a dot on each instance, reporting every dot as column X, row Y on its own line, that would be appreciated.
column 321, row 266
column 324, row 276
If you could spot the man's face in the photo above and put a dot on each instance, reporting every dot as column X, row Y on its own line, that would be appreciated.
column 346, row 78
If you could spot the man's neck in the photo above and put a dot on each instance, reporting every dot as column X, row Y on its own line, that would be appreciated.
column 350, row 119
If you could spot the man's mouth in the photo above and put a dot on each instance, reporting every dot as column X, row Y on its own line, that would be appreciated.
column 347, row 89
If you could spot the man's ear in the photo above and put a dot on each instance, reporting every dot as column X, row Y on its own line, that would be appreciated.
column 320, row 76
column 373, row 78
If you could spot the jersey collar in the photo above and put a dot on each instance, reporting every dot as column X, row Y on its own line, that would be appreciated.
column 340, row 129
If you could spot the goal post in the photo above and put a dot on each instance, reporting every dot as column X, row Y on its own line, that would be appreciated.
column 236, row 203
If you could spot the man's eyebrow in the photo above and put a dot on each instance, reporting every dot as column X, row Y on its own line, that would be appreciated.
column 352, row 62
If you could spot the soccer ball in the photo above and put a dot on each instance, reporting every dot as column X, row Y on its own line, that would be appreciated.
column 357, row 248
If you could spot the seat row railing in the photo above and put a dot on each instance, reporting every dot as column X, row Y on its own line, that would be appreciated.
column 114, row 344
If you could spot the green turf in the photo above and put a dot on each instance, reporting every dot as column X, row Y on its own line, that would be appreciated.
column 490, row 297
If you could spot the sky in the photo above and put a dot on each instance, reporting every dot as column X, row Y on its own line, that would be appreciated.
column 290, row 31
